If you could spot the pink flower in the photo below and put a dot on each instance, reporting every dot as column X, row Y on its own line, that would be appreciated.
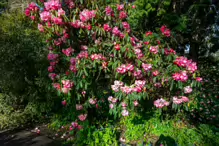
column 68, row 52
column 184, row 98
column 181, row 61
column 70, row 4
column 61, row 12
column 83, row 92
column 126, row 25
column 57, row 86
column 187, row 89
column 198, row 79
column 114, row 100
column 169, row 51
column 124, row 104
column 52, row 5
column 133, row 6
column 109, row 11
column 57, row 20
column 92, row 101
column 52, row 76
column 65, row 90
column 116, row 31
column 79, row 107
column 120, row 7
column 51, row 69
column 180, row 76
column 180, row 100
column 110, row 98
column 117, row 47
column 176, row 100
column 115, row 88
column 160, row 103
column 86, row 15
column 73, row 68
column 82, row 54
column 45, row 16
column 82, row 117
column 192, row 67
column 154, row 49
column 146, row 67
column 138, row 74
column 73, row 61
column 122, row 15
column 165, row 31
column 64, row 102
column 137, row 89
column 125, row 113
column 104, row 65
column 74, row 124
column 27, row 12
column 140, row 83
column 155, row 73
column 135, row 103
column 126, row 89
column 107, row 28
column 67, row 83
column 40, row 27
column 149, row 33
column 111, row 106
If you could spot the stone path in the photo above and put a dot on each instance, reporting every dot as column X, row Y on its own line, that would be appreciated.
column 26, row 138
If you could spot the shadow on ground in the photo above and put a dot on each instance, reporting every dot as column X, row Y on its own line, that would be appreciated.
column 26, row 138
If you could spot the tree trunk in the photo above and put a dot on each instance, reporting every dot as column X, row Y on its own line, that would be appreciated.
column 193, row 52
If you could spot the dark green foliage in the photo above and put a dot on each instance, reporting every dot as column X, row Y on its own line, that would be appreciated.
column 23, row 76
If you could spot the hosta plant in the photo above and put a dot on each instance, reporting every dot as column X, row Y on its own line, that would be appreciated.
column 91, row 49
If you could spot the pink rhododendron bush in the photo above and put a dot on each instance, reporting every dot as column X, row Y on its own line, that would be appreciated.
column 92, row 49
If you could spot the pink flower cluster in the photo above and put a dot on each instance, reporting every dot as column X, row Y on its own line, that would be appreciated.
column 52, row 5
column 125, row 68
column 73, row 64
column 97, row 57
column 160, row 103
column 180, row 99
column 92, row 101
column 117, row 85
column 187, row 89
column 68, row 52
column 112, row 101
column 125, row 113
column 75, row 125
column 67, row 86
column 82, row 54
column 82, row 117
column 70, row 4
column 188, row 64
column 86, row 15
column 107, row 28
column 169, row 51
column 165, row 31
column 45, row 16
column 126, row 26
column 180, row 76
column 138, row 52
column 137, row 87
column 109, row 11
column 138, row 74
column 154, row 49
column 79, row 107
column 122, row 15
column 146, row 67
column 32, row 8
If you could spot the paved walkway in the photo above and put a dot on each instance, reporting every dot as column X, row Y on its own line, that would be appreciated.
column 26, row 138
